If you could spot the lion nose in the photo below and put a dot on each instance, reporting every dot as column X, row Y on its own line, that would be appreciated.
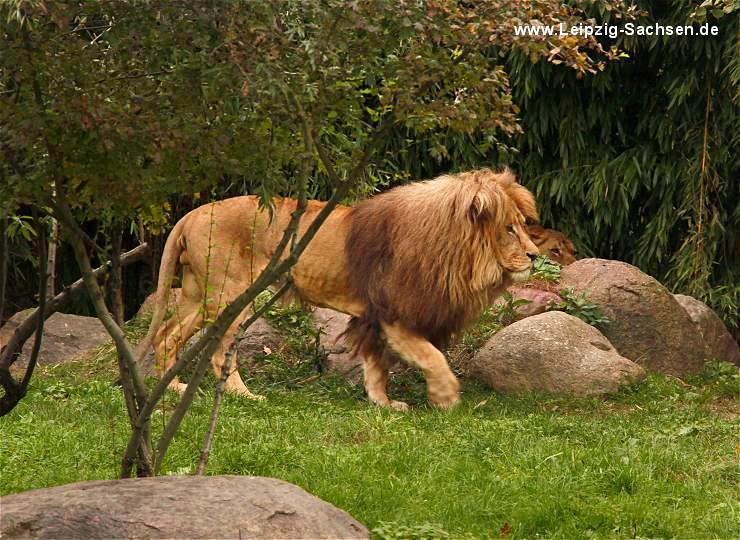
column 532, row 255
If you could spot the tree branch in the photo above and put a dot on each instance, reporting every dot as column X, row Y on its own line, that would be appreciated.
column 226, row 371
column 11, row 350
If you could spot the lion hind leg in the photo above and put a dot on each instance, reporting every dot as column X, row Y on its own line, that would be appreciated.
column 234, row 382
column 442, row 385
column 169, row 341
column 375, row 369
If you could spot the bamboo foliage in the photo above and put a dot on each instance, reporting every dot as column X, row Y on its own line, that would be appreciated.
column 638, row 162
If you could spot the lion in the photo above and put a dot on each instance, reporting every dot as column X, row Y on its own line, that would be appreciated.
column 411, row 266
column 552, row 243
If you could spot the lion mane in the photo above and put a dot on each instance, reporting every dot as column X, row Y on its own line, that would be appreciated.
column 418, row 255
column 411, row 266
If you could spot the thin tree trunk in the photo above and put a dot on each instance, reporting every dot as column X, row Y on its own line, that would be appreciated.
column 226, row 371
column 115, row 293
column 51, row 259
column 4, row 252
column 123, row 347
column 43, row 276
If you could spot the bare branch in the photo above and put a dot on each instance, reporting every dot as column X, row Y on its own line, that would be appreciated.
column 11, row 350
column 226, row 371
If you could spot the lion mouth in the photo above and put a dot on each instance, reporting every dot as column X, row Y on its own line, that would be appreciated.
column 520, row 275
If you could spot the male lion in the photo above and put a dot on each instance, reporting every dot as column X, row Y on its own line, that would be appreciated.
column 552, row 243
column 412, row 266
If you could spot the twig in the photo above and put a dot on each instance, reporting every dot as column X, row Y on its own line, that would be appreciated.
column 225, row 372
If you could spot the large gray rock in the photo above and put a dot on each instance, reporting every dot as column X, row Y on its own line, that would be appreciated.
column 260, row 339
column 175, row 507
column 717, row 340
column 553, row 352
column 66, row 337
column 648, row 325
column 339, row 358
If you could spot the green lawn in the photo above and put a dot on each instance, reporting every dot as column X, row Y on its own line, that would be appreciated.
column 657, row 460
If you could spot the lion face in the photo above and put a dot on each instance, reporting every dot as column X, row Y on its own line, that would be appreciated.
column 553, row 244
column 516, row 249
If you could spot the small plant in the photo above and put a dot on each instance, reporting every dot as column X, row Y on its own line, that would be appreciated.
column 507, row 313
column 545, row 270
column 579, row 305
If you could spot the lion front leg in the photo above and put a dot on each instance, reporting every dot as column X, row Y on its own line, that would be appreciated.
column 375, row 368
column 442, row 385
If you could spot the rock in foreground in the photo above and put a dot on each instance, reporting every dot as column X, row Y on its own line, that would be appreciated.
column 175, row 507
column 553, row 352
column 648, row 325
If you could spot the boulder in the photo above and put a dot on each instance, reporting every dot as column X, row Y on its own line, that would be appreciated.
column 175, row 507
column 648, row 325
column 339, row 358
column 147, row 308
column 538, row 299
column 260, row 339
column 66, row 337
column 717, row 339
column 553, row 352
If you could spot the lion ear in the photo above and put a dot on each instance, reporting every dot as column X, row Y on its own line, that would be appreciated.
column 485, row 204
column 537, row 233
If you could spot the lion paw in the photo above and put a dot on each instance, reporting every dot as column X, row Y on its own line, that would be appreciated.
column 399, row 406
column 178, row 386
column 244, row 392
column 446, row 403
column 444, row 394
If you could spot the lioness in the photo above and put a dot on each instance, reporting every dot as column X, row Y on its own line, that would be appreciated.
column 411, row 266
column 553, row 243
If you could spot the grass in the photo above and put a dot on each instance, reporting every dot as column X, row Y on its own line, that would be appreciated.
column 656, row 460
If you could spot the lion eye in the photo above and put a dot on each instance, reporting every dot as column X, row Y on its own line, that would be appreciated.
column 556, row 251
column 510, row 229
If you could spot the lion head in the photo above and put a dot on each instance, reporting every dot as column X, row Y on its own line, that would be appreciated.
column 432, row 255
column 554, row 244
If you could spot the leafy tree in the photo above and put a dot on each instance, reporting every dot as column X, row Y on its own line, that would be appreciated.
column 112, row 110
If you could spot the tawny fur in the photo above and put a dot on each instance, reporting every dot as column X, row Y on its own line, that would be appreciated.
column 412, row 266
column 552, row 243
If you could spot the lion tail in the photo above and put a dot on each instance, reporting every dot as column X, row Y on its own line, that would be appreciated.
column 173, row 248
